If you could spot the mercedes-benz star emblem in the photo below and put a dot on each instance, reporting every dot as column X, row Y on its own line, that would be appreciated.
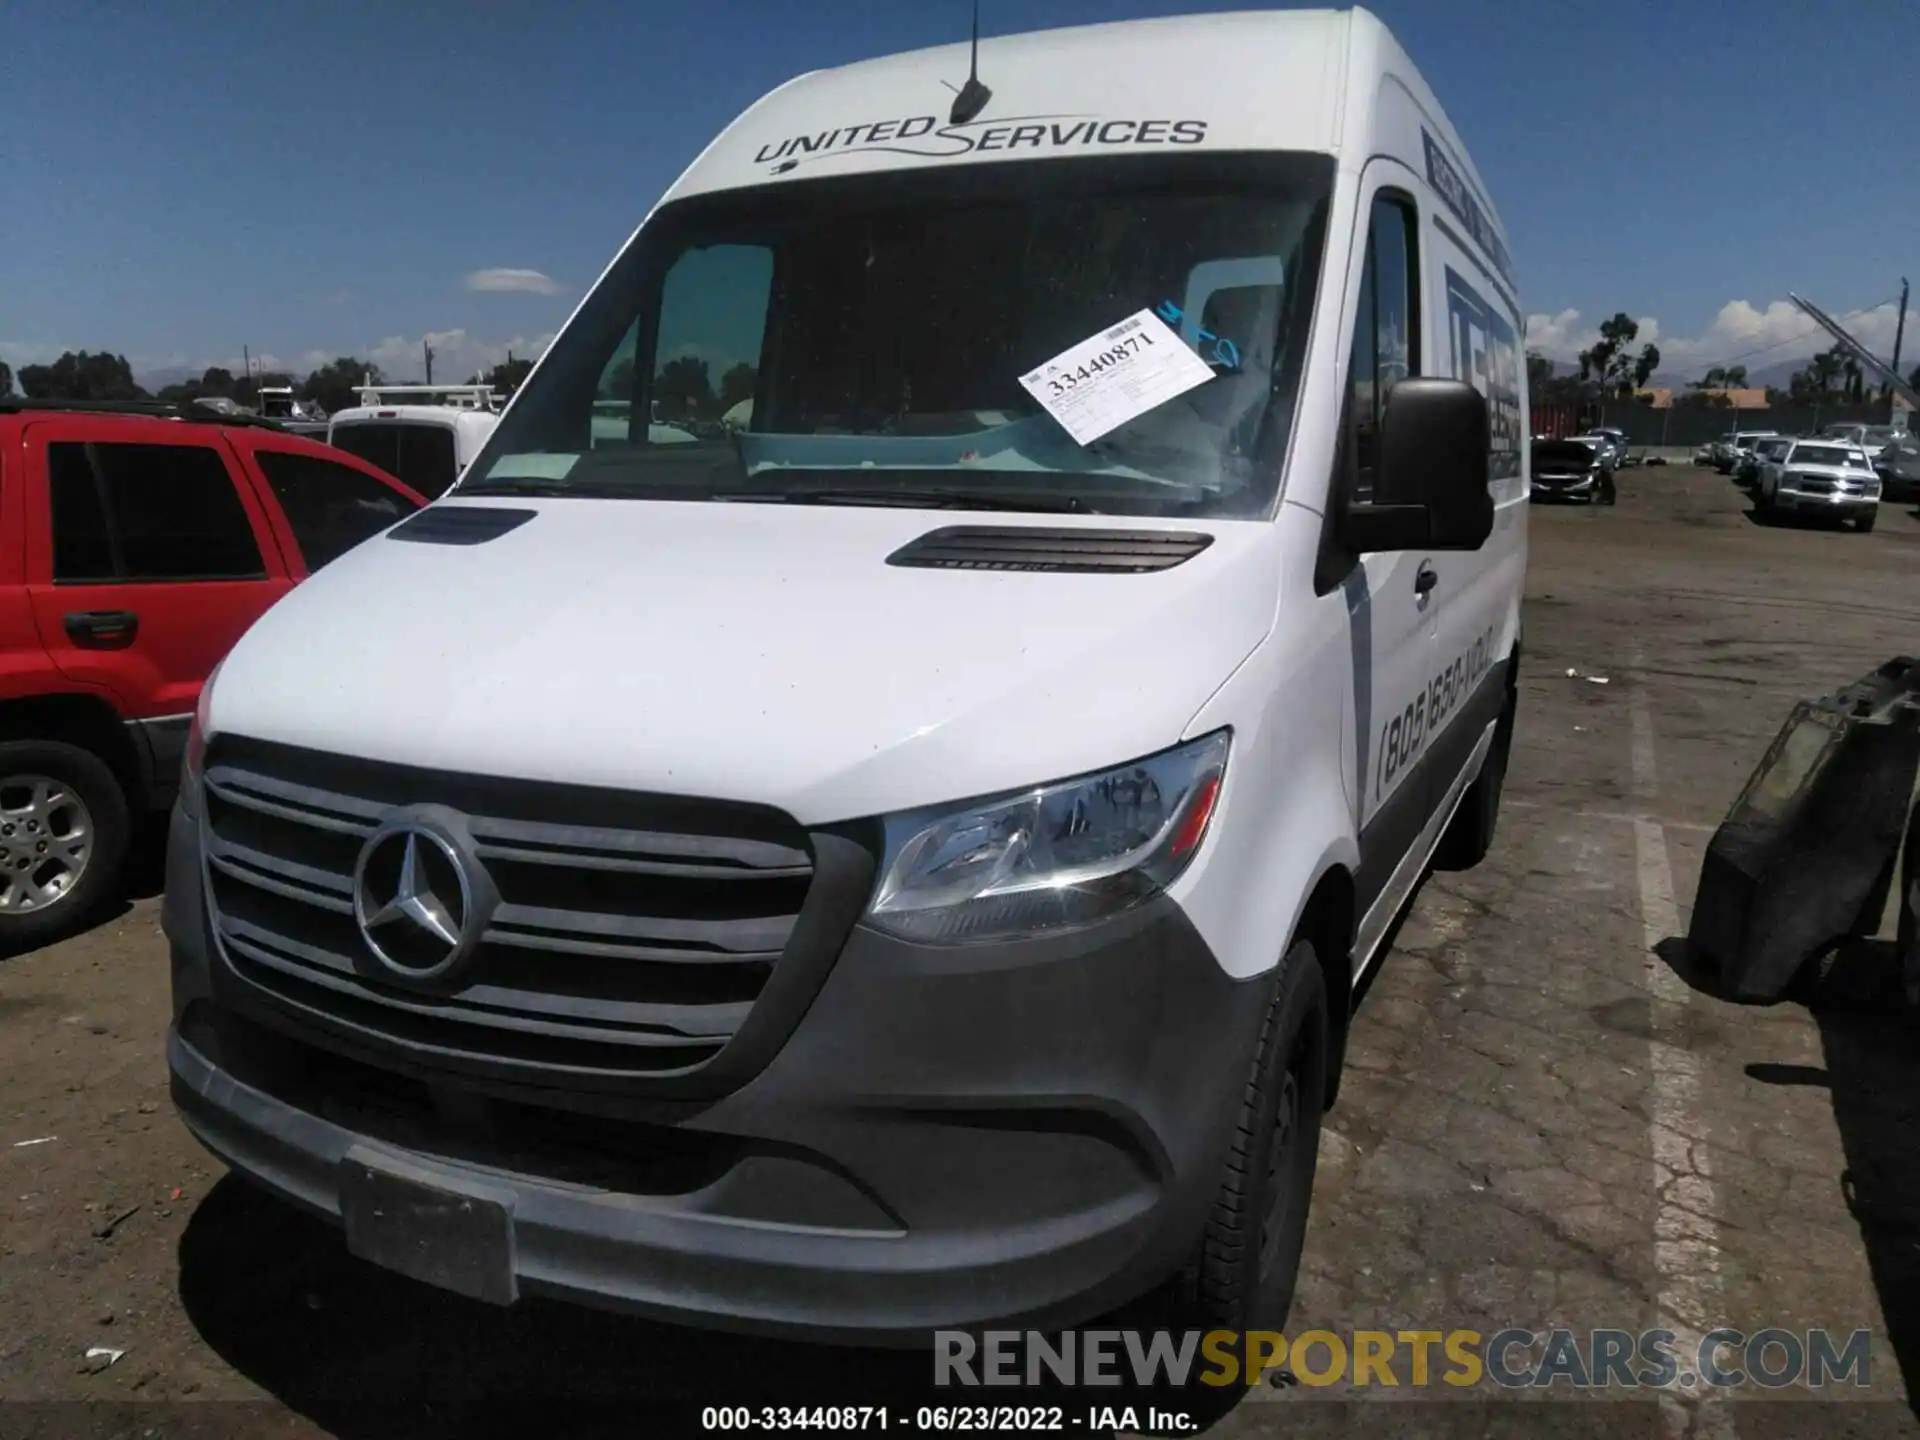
column 421, row 901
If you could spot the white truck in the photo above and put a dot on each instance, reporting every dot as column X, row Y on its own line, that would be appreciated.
column 422, row 435
column 903, row 857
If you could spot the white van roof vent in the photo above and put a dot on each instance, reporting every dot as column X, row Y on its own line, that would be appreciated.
column 1085, row 552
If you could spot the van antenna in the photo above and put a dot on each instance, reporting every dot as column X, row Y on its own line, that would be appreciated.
column 972, row 97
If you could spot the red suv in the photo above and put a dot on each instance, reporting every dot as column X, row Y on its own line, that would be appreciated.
column 136, row 546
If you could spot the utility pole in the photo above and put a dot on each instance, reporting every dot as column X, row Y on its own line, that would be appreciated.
column 246, row 361
column 1899, row 334
column 429, row 352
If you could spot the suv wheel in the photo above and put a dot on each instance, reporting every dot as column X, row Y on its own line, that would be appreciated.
column 1865, row 522
column 1243, row 1272
column 63, row 837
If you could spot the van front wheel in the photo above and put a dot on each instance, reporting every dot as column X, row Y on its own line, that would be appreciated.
column 1242, row 1274
column 1470, row 833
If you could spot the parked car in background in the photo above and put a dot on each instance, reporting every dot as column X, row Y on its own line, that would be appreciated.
column 1572, row 470
column 424, row 434
column 1739, row 444
column 1898, row 466
column 136, row 546
column 1820, row 477
column 1747, row 470
column 300, row 417
column 1870, row 438
column 1622, row 450
column 1611, row 445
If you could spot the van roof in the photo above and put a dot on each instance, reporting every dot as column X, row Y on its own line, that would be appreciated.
column 1251, row 80
column 443, row 415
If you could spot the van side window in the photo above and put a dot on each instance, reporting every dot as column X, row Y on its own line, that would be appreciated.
column 1386, row 330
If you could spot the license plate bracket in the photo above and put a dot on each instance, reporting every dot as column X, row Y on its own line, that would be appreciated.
column 454, row 1234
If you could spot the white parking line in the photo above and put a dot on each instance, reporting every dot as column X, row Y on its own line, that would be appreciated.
column 1620, row 816
column 1686, row 1238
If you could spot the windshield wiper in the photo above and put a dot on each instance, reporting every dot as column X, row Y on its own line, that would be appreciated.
column 920, row 499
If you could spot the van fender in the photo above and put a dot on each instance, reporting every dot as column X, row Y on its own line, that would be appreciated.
column 1285, row 821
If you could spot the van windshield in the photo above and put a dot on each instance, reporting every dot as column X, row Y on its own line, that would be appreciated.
column 863, row 340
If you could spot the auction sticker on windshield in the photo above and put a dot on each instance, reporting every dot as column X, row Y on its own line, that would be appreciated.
column 1109, row 378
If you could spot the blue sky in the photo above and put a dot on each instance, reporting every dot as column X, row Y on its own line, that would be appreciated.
column 186, row 178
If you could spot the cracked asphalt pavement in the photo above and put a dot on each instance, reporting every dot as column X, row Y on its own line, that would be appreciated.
column 1549, row 1118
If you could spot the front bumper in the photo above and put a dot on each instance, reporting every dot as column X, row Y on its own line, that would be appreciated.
column 1843, row 505
column 1029, row 1131
column 1573, row 490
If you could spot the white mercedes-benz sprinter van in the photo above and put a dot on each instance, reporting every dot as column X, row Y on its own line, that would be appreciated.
column 901, row 858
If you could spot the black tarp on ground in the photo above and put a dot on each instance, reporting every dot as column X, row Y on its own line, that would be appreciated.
column 1806, row 856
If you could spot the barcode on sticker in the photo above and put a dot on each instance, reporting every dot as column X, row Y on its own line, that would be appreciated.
column 1122, row 328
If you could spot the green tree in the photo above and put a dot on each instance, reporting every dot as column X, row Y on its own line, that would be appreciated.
column 1721, row 377
column 1823, row 376
column 508, row 376
column 683, row 389
column 617, row 383
column 6, row 380
column 1610, row 362
column 1705, row 399
column 82, row 375
column 335, row 385
column 737, row 385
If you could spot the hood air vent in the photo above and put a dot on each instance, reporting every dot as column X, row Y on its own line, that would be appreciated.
column 459, row 525
column 1075, row 551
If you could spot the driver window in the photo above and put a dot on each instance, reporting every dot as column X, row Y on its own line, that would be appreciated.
column 1385, row 332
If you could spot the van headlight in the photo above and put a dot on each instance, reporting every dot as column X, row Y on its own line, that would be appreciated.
column 1056, row 856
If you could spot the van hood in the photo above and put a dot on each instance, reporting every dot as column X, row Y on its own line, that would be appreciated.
column 742, row 651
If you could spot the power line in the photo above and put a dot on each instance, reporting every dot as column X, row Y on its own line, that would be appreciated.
column 1792, row 339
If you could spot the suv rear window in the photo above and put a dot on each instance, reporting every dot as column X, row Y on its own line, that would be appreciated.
column 147, row 512
column 421, row 456
column 331, row 507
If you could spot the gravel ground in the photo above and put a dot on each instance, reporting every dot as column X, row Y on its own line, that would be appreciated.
column 1549, row 1120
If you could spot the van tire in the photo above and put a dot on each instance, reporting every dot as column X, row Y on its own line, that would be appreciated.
column 104, row 803
column 1242, row 1274
column 1470, row 833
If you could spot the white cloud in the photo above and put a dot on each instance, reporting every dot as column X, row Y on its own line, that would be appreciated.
column 505, row 279
column 456, row 354
column 1562, row 337
column 1756, row 338
column 1740, row 334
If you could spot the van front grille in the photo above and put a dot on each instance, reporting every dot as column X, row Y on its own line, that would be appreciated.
column 633, row 935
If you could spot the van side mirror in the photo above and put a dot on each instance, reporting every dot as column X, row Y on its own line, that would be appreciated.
column 1430, row 481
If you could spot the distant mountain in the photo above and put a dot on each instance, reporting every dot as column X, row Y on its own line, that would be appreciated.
column 1778, row 373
